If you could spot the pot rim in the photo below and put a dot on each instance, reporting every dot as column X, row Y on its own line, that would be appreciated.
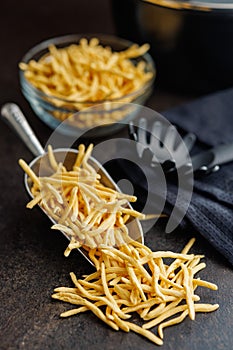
column 194, row 5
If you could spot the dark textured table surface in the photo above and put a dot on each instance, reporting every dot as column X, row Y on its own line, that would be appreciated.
column 31, row 255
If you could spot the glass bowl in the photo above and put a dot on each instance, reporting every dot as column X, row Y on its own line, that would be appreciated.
column 75, row 117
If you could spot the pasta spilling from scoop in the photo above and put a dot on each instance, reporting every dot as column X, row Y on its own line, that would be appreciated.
column 160, row 286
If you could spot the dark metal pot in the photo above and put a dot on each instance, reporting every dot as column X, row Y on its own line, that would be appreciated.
column 191, row 41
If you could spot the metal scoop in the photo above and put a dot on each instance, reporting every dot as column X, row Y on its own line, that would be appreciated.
column 14, row 117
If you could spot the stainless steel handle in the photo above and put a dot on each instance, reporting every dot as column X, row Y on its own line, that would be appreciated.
column 215, row 156
column 15, row 118
column 222, row 154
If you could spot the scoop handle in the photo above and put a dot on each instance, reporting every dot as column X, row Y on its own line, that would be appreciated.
column 14, row 117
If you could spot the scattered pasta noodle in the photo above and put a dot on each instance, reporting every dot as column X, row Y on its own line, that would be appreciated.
column 160, row 286
column 134, row 279
column 76, row 76
column 82, row 207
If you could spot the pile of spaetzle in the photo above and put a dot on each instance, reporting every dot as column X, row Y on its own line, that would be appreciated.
column 132, row 279
column 160, row 286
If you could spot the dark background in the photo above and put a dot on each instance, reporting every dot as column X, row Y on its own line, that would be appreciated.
column 31, row 255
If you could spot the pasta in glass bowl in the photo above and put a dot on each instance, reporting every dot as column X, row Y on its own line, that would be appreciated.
column 83, row 82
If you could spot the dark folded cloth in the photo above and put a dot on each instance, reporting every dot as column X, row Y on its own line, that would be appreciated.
column 210, row 211
column 210, row 117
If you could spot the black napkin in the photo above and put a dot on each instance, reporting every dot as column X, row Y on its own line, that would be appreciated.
column 210, row 117
column 210, row 211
